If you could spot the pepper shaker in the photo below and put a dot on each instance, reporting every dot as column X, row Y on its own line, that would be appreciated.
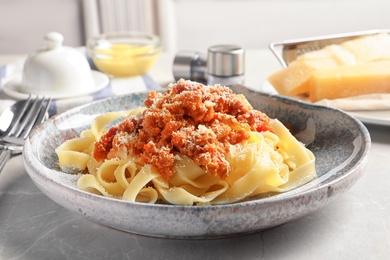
column 225, row 65
column 190, row 65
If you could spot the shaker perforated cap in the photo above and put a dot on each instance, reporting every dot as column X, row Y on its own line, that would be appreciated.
column 225, row 60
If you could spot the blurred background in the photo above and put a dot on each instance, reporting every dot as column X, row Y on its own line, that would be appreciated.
column 185, row 24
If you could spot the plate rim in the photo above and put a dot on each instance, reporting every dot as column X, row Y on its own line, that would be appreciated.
column 100, row 79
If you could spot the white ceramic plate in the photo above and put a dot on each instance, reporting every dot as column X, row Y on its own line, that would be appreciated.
column 12, row 87
column 377, row 117
column 341, row 151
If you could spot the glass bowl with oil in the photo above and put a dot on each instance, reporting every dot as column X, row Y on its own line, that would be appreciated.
column 124, row 54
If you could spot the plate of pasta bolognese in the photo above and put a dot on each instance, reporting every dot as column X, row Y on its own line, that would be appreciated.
column 196, row 161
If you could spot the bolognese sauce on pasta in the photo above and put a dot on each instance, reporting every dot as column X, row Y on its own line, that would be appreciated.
column 193, row 144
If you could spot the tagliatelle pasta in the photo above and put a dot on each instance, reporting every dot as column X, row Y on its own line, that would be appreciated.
column 193, row 145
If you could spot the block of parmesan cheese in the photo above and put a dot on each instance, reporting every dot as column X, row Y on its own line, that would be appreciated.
column 348, row 81
column 293, row 80
column 331, row 52
column 369, row 48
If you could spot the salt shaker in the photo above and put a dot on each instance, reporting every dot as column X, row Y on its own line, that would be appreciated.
column 225, row 65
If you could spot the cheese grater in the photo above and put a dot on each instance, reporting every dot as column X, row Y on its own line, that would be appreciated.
column 288, row 51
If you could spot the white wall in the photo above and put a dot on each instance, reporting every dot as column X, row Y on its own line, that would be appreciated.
column 192, row 24
column 23, row 23
column 198, row 24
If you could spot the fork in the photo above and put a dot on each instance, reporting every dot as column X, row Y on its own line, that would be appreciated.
column 33, row 112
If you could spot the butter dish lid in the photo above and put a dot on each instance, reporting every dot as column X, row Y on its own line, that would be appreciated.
column 56, row 69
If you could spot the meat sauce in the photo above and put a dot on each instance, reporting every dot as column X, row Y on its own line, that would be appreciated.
column 198, row 121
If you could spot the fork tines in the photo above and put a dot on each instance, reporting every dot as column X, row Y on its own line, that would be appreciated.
column 33, row 112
